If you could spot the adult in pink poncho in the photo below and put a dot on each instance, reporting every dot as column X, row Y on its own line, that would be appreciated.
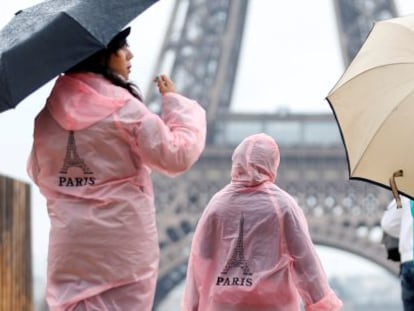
column 251, row 250
column 95, row 144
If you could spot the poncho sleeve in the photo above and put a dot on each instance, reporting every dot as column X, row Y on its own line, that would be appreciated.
column 173, row 142
column 32, row 166
column 206, row 230
column 308, row 273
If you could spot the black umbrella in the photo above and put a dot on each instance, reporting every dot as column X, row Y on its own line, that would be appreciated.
column 44, row 40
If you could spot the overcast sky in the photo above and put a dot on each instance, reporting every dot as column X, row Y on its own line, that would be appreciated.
column 290, row 60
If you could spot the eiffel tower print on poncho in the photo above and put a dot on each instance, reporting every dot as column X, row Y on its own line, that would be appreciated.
column 72, row 158
column 237, row 258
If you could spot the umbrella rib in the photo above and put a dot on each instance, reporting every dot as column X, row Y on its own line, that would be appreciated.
column 333, row 110
column 377, row 130
column 80, row 25
column 335, row 88
column 403, row 26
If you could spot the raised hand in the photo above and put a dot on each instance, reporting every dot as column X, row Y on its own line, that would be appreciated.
column 164, row 84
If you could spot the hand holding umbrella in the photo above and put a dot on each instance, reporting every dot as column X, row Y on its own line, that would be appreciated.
column 394, row 188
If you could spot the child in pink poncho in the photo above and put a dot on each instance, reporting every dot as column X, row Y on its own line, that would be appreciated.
column 251, row 250
column 95, row 144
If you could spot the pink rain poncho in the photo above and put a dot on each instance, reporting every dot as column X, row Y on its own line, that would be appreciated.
column 251, row 250
column 94, row 147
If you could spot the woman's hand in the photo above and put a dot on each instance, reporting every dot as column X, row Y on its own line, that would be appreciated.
column 164, row 84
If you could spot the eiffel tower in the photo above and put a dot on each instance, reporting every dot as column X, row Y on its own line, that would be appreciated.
column 237, row 258
column 72, row 158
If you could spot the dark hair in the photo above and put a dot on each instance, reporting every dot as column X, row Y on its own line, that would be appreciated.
column 98, row 63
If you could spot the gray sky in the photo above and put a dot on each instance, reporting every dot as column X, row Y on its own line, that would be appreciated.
column 290, row 60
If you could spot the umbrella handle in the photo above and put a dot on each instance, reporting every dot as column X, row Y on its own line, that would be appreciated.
column 394, row 188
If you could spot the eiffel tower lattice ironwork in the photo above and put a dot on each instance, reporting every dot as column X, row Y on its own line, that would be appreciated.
column 237, row 258
column 201, row 52
column 72, row 158
column 355, row 18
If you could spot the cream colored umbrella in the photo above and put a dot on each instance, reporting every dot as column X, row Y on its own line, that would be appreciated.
column 373, row 103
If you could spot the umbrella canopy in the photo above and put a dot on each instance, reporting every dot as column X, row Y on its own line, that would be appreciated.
column 373, row 103
column 44, row 40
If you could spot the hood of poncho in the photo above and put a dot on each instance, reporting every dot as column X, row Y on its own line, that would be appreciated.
column 79, row 100
column 255, row 160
